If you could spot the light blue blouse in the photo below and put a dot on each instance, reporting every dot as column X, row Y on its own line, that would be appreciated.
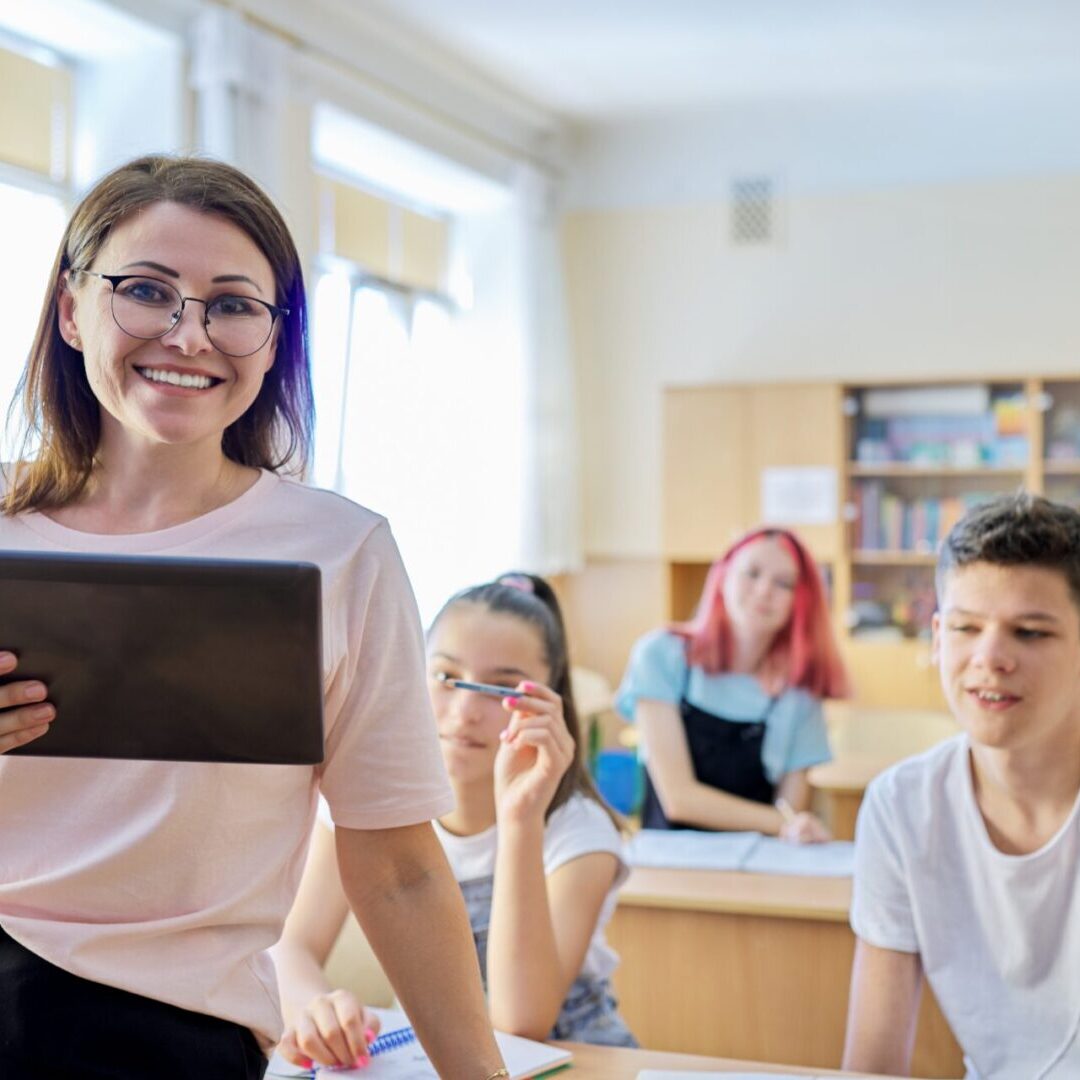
column 795, row 736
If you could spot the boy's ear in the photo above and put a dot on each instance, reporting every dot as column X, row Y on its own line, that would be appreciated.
column 935, row 637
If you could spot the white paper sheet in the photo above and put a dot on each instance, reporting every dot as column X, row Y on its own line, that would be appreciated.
column 691, row 849
column 771, row 855
column 523, row 1058
column 799, row 495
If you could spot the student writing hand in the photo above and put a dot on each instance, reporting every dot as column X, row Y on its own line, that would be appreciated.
column 536, row 751
column 24, row 713
column 333, row 1029
column 804, row 828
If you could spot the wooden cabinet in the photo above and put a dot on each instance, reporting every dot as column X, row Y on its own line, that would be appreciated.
column 718, row 440
column 705, row 470
column 903, row 476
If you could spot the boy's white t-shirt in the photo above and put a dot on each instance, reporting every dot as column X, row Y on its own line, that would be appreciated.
column 171, row 879
column 998, row 935
column 579, row 827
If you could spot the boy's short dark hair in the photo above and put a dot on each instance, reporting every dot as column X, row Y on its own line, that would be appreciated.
column 1016, row 530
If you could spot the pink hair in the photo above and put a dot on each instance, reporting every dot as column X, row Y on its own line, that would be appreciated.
column 803, row 653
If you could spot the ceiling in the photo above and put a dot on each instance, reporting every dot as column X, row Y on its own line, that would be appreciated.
column 597, row 60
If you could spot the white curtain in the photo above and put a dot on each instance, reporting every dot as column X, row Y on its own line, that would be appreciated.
column 551, row 514
column 242, row 79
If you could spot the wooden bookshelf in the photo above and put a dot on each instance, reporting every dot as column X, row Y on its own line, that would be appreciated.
column 893, row 558
column 923, row 472
column 1061, row 468
column 718, row 440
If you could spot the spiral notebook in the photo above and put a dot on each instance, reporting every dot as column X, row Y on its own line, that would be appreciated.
column 397, row 1055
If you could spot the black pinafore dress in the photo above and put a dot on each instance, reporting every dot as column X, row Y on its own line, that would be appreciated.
column 726, row 754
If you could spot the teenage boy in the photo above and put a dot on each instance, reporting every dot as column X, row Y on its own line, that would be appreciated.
column 967, row 862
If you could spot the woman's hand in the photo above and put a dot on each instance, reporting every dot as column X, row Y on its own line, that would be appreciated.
column 334, row 1029
column 536, row 751
column 24, row 713
column 804, row 828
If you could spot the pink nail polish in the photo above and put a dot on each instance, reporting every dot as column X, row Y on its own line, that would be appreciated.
column 369, row 1035
column 528, row 687
column 512, row 701
column 362, row 1062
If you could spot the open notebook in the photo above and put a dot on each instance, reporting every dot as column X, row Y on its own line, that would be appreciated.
column 690, row 849
column 523, row 1058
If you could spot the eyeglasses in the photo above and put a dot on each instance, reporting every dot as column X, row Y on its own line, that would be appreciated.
column 147, row 308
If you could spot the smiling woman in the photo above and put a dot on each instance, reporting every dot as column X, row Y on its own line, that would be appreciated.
column 147, row 359
column 167, row 390
column 196, row 215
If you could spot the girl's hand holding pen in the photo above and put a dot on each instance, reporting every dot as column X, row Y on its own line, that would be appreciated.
column 536, row 751
column 24, row 713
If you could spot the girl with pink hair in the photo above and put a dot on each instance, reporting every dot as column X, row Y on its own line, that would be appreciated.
column 729, row 704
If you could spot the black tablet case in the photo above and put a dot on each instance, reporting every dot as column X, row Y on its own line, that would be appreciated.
column 168, row 659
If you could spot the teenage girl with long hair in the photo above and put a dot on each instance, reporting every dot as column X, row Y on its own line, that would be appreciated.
column 537, row 854
column 729, row 704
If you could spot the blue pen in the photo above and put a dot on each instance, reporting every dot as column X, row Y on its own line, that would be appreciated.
column 479, row 687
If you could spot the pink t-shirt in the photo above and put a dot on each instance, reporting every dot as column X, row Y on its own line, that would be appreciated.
column 172, row 879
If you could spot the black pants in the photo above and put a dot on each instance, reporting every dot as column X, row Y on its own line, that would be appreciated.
column 54, row 1025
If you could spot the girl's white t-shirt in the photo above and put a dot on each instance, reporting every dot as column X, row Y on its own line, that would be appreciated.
column 998, row 935
column 579, row 827
column 172, row 879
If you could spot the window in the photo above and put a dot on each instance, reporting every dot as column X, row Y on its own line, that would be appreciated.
column 418, row 409
column 32, row 224
column 35, row 107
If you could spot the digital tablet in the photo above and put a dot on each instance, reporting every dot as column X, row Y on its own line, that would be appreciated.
column 168, row 659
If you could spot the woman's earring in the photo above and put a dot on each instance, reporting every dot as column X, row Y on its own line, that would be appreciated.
column 76, row 343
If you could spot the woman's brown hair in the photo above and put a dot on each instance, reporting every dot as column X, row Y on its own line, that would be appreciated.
column 60, row 417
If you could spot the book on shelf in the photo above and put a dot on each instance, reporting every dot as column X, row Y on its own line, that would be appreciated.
column 963, row 400
column 888, row 522
column 994, row 436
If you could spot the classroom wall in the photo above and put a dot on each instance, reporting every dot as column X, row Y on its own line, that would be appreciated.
column 915, row 247
column 968, row 279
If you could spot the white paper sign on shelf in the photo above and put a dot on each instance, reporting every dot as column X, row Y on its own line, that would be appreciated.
column 799, row 495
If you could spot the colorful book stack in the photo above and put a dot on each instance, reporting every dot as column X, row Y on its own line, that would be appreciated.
column 887, row 522
column 960, row 427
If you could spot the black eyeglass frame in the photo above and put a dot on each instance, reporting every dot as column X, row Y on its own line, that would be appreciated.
column 276, row 312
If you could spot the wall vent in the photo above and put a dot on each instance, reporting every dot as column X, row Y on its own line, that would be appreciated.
column 753, row 210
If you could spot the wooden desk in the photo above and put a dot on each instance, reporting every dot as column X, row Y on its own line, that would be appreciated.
column 611, row 1063
column 842, row 783
column 752, row 966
